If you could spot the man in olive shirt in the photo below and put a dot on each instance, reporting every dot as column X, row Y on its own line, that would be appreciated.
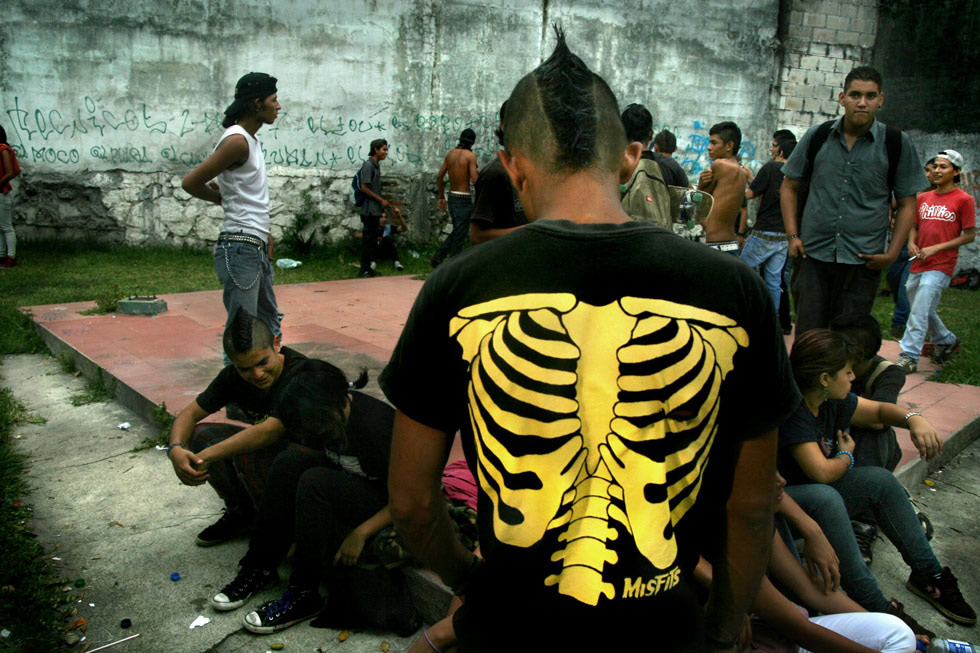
column 845, row 220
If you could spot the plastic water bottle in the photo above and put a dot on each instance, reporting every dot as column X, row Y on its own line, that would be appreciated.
column 950, row 646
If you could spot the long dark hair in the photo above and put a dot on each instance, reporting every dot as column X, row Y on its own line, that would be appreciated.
column 818, row 351
column 311, row 404
column 3, row 136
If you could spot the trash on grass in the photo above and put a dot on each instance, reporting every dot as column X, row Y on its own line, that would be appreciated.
column 124, row 426
column 4, row 633
column 175, row 577
column 56, row 558
column 79, row 624
column 343, row 636
column 929, row 482
column 200, row 621
column 288, row 264
column 278, row 646
column 385, row 647
column 91, row 605
column 125, row 623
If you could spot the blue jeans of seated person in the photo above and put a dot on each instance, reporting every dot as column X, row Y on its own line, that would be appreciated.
column 460, row 210
column 925, row 290
column 896, row 277
column 769, row 256
column 863, row 490
column 826, row 507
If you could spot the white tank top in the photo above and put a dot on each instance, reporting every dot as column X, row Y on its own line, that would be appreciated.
column 245, row 190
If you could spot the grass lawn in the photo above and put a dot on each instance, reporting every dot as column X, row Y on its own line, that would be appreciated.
column 51, row 272
column 960, row 311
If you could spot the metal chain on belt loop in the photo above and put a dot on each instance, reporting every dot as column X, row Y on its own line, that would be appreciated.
column 231, row 275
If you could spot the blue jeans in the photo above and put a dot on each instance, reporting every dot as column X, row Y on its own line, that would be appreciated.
column 8, row 238
column 896, row 277
column 867, row 490
column 246, row 273
column 771, row 256
column 826, row 506
column 924, row 290
column 460, row 210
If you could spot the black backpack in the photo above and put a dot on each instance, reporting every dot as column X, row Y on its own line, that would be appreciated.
column 893, row 145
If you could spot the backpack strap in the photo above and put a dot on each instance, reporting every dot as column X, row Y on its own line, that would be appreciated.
column 819, row 138
column 882, row 366
column 893, row 144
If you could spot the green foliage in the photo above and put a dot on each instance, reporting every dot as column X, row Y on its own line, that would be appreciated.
column 305, row 229
column 95, row 391
column 106, row 302
column 165, row 420
column 28, row 596
column 67, row 363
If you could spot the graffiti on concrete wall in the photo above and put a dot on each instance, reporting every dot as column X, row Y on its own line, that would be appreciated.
column 692, row 151
column 95, row 134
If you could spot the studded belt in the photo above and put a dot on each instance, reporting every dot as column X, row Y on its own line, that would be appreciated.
column 775, row 238
column 240, row 238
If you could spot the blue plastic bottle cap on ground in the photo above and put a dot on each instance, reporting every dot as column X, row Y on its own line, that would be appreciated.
column 125, row 623
column 175, row 577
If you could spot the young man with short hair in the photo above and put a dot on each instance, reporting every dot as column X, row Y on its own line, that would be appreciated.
column 598, row 370
column 945, row 220
column 664, row 146
column 766, row 245
column 234, row 459
column 725, row 180
column 374, row 205
column 497, row 209
column 644, row 196
column 841, row 243
column 460, row 164
column 237, row 165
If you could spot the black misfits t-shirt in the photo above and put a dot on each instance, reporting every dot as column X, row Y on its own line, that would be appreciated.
column 229, row 387
column 803, row 426
column 603, row 377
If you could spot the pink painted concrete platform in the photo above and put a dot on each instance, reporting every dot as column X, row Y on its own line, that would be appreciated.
column 173, row 356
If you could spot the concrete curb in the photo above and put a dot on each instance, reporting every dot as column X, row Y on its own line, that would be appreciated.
column 915, row 471
column 123, row 393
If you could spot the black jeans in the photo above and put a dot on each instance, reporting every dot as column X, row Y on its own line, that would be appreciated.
column 369, row 240
column 825, row 290
column 309, row 500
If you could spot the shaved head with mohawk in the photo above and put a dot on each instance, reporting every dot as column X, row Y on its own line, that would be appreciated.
column 564, row 117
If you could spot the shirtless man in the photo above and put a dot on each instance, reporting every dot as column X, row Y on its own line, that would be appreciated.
column 460, row 163
column 725, row 180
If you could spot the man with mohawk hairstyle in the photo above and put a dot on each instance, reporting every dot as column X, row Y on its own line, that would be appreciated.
column 235, row 459
column 601, row 373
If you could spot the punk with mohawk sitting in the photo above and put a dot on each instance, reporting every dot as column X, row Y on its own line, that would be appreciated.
column 235, row 459
column 604, row 376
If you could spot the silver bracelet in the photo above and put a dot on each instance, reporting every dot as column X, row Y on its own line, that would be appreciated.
column 911, row 413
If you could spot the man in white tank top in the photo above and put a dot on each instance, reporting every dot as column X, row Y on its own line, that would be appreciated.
column 234, row 177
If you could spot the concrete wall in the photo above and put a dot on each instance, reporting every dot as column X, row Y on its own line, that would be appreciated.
column 109, row 104
column 822, row 41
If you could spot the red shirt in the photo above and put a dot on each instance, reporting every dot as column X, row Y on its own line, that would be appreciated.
column 941, row 218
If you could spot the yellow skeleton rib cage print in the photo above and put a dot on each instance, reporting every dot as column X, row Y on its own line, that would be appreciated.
column 586, row 416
